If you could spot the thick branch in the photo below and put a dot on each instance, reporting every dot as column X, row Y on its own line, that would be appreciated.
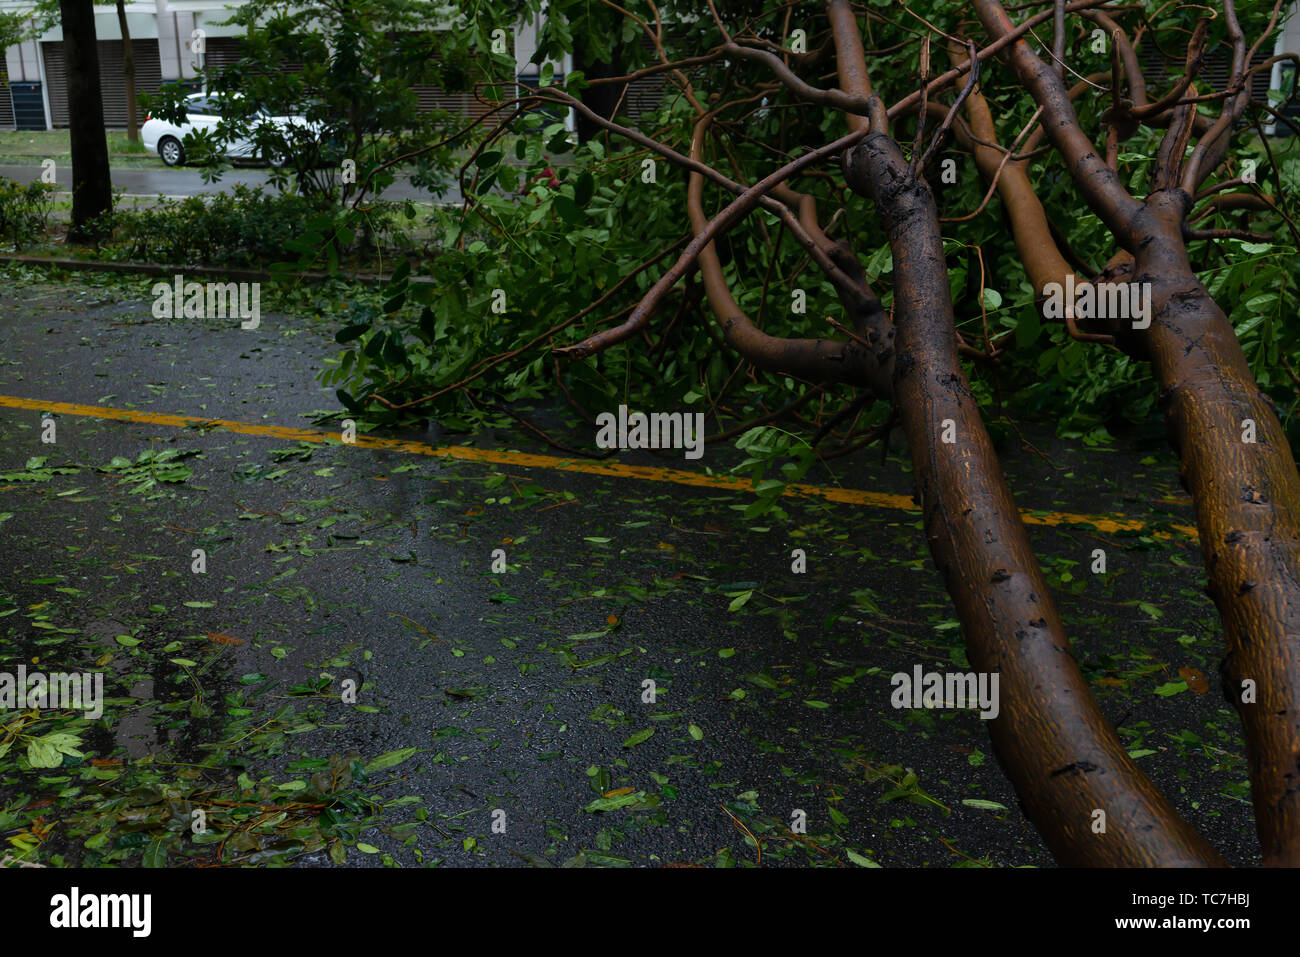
column 817, row 360
column 1043, row 262
column 1099, row 183
column 1064, row 759
column 1237, row 465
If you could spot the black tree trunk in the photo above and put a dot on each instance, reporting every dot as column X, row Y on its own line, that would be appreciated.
column 92, row 186
column 602, row 100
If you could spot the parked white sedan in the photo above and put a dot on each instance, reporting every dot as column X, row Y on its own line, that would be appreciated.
column 204, row 112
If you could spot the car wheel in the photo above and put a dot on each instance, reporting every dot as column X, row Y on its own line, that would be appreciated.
column 274, row 158
column 171, row 151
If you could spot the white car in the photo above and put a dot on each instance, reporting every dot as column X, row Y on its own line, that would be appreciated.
column 204, row 112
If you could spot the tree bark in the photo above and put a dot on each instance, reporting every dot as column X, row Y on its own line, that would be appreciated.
column 1247, row 497
column 1075, row 780
column 1063, row 757
column 92, row 185
column 128, row 74
column 1246, row 493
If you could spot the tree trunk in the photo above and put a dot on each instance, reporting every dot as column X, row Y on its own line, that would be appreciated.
column 1062, row 755
column 1236, row 461
column 128, row 73
column 92, row 185
column 602, row 100
column 1237, row 465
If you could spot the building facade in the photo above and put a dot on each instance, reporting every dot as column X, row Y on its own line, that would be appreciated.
column 171, row 40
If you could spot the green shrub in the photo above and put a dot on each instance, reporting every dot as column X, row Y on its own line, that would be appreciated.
column 24, row 211
column 246, row 227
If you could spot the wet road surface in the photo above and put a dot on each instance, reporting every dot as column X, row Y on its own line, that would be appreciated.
column 505, row 717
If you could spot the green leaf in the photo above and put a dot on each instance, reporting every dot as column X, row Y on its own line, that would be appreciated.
column 391, row 759
column 637, row 738
column 559, row 143
column 346, row 400
column 584, row 188
column 614, row 803
column 42, row 754
column 739, row 601
column 568, row 210
column 984, row 805
column 348, row 333
column 155, row 854
column 1028, row 327
column 860, row 859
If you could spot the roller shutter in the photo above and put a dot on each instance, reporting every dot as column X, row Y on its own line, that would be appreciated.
column 148, row 78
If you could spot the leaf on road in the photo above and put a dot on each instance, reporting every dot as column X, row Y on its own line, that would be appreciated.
column 984, row 805
column 391, row 759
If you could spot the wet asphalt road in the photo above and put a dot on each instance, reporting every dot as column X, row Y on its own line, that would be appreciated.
column 188, row 181
column 524, row 692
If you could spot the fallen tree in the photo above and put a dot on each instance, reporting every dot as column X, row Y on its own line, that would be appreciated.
column 902, row 354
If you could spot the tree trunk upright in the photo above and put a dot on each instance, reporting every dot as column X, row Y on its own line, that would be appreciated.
column 128, row 73
column 603, row 99
column 92, row 186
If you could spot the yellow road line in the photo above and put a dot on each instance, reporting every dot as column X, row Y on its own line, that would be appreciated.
column 845, row 496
